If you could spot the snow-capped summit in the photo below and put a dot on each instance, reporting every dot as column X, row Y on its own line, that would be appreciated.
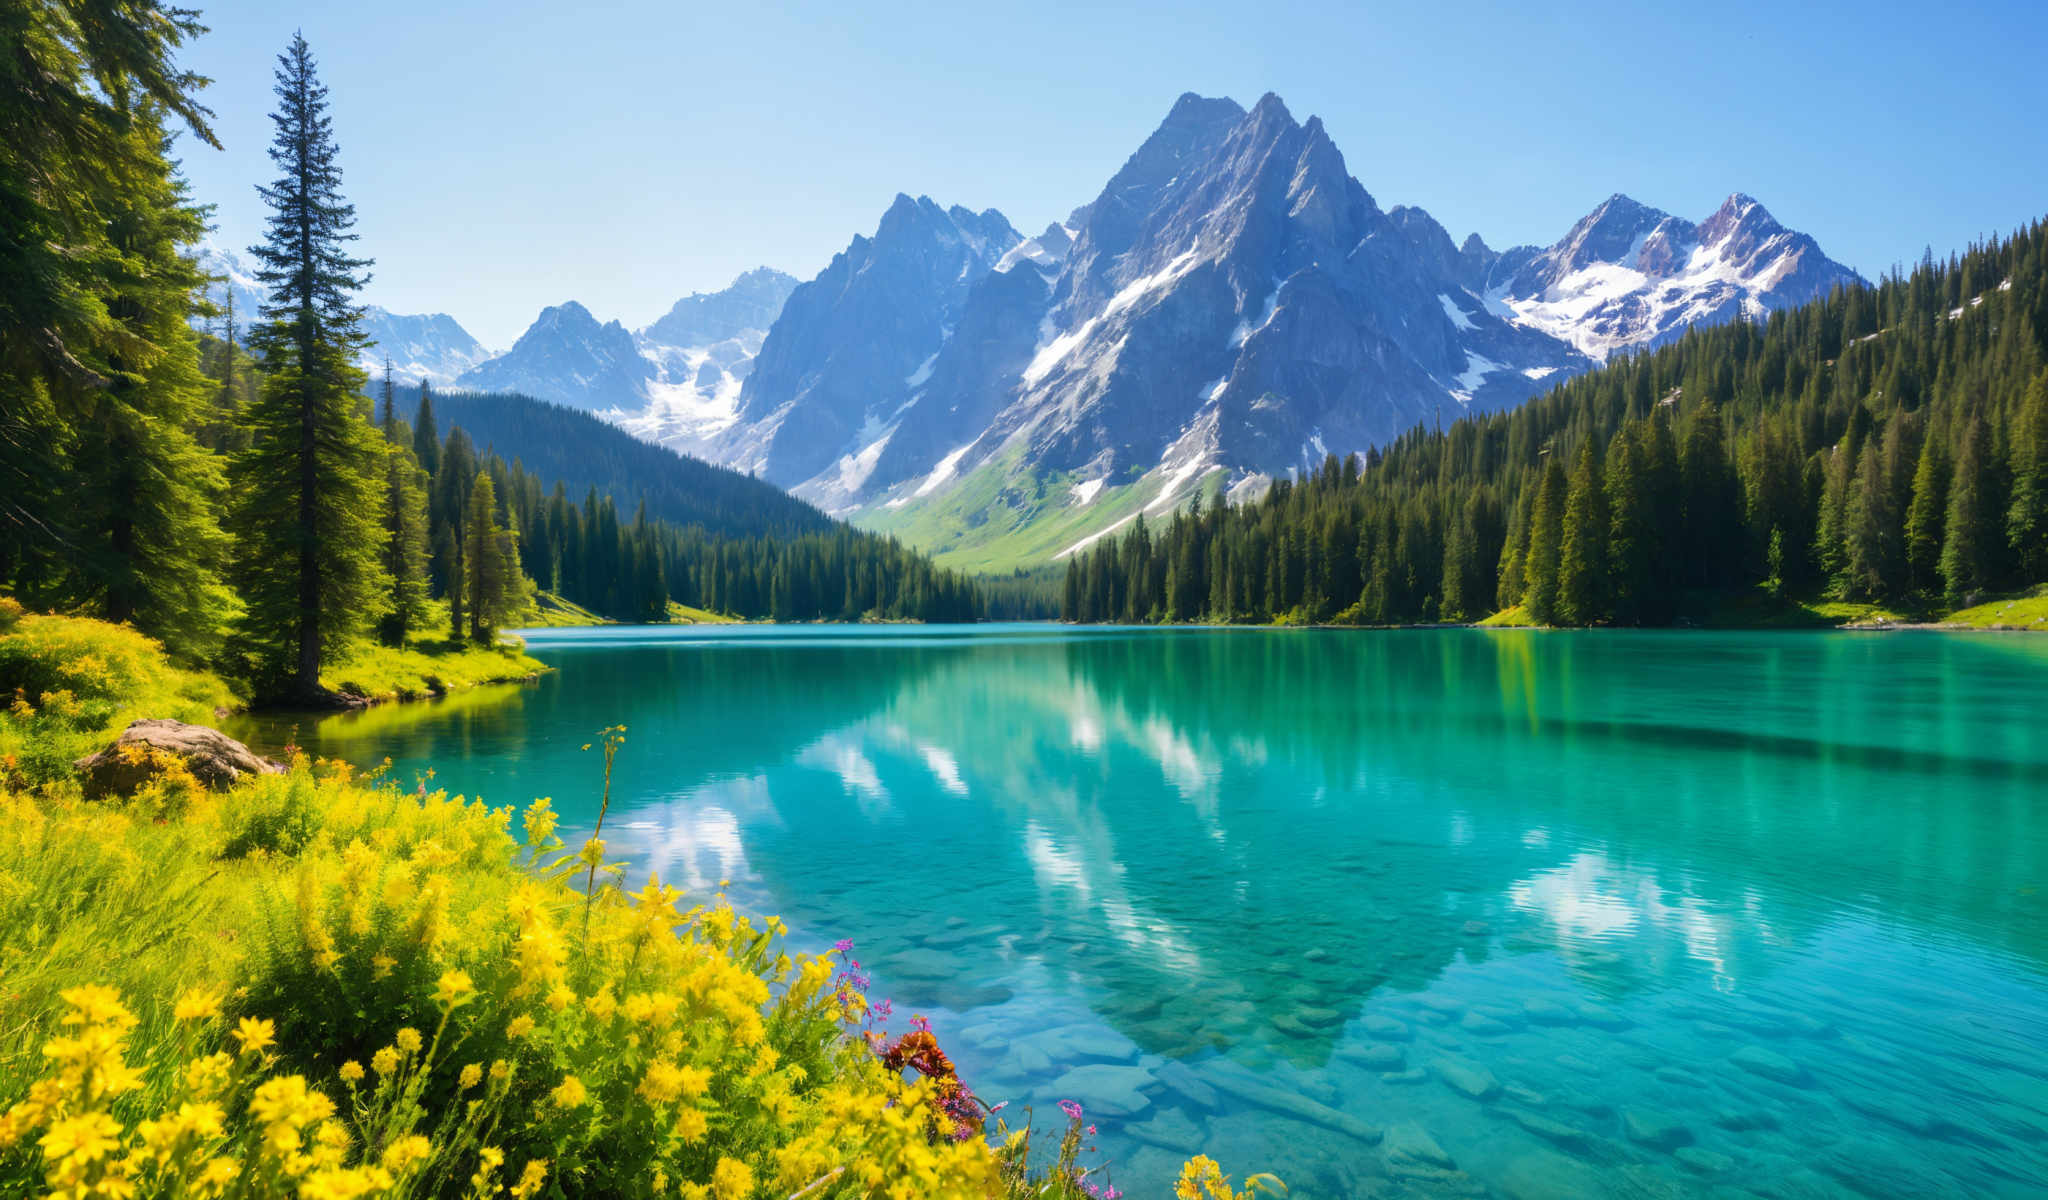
column 1628, row 275
column 429, row 346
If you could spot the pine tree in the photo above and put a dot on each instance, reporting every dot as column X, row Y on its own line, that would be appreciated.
column 146, row 490
column 2026, row 523
column 449, row 517
column 426, row 440
column 405, row 542
column 1582, row 556
column 309, row 488
column 1628, row 532
column 489, row 567
column 1965, row 550
column 1925, row 515
column 1546, row 537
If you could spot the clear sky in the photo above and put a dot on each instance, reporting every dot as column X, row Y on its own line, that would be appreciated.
column 509, row 155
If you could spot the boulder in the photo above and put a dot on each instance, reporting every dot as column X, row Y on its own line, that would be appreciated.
column 214, row 758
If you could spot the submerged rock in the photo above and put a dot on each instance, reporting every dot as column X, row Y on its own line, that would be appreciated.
column 1655, row 1129
column 1410, row 1144
column 1548, row 1012
column 1106, row 1090
column 213, row 758
column 1704, row 1162
column 1375, row 1057
column 1386, row 1029
column 1468, row 1077
column 1170, row 1129
column 1182, row 1081
column 1261, row 1095
column 1770, row 1065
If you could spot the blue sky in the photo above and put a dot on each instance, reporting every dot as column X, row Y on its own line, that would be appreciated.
column 505, row 156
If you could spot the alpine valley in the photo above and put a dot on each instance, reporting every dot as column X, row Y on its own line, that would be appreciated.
column 1232, row 307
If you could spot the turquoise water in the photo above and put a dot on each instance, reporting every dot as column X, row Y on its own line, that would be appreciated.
column 1418, row 913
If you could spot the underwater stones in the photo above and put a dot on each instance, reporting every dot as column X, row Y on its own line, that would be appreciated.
column 1570, row 1137
column 1464, row 1076
column 1377, row 1056
column 1316, row 954
column 1680, row 1077
column 964, row 997
column 1770, row 1065
column 1386, row 1029
column 1249, row 1089
column 1528, row 1097
column 1745, row 1120
column 1291, row 1025
column 1654, row 1129
column 1572, row 1062
column 1544, row 1011
column 1602, row 1017
column 982, row 1034
column 1409, row 1144
column 1031, row 1059
column 1475, row 929
column 1182, row 1081
column 1547, row 1175
column 1082, row 1043
column 1484, row 1025
column 920, row 966
column 1443, row 1006
column 1319, row 1018
column 1105, row 1089
column 1410, row 1076
column 1169, row 1129
column 1703, row 1162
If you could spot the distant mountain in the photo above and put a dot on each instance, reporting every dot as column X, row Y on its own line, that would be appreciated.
column 433, row 347
column 430, row 347
column 704, row 348
column 584, row 452
column 852, row 347
column 566, row 356
column 1629, row 276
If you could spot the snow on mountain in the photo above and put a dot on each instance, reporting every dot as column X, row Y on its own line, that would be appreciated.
column 430, row 346
column 1628, row 275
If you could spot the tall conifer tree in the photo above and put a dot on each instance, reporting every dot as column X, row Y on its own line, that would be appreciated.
column 309, row 488
column 1582, row 554
column 1546, row 536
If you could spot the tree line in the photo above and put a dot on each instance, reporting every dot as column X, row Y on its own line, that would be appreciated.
column 1884, row 444
column 239, row 496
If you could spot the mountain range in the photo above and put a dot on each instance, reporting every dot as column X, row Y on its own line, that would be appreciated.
column 1232, row 307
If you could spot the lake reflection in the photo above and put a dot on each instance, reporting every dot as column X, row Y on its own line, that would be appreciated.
column 1595, row 914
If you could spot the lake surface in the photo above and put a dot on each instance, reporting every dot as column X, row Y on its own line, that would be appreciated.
column 1562, row 915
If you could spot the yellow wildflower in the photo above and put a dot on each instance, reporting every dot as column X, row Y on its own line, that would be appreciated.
column 85, row 1138
column 454, row 990
column 406, row 1152
column 732, row 1179
column 408, row 1040
column 535, row 1174
column 197, row 1004
column 381, row 965
column 472, row 1075
column 570, row 1094
column 255, row 1035
column 351, row 1071
column 519, row 1026
column 560, row 998
column 691, row 1125
column 385, row 1061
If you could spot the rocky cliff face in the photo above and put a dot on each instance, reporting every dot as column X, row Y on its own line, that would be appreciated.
column 567, row 356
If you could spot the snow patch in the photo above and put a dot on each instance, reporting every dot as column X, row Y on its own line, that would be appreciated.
column 1092, row 538
column 1085, row 493
column 918, row 377
column 1456, row 314
column 1053, row 352
column 943, row 472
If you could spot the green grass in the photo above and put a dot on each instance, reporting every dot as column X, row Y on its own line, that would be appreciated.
column 68, row 685
column 683, row 614
column 2028, row 611
column 428, row 667
column 551, row 611
column 1507, row 618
